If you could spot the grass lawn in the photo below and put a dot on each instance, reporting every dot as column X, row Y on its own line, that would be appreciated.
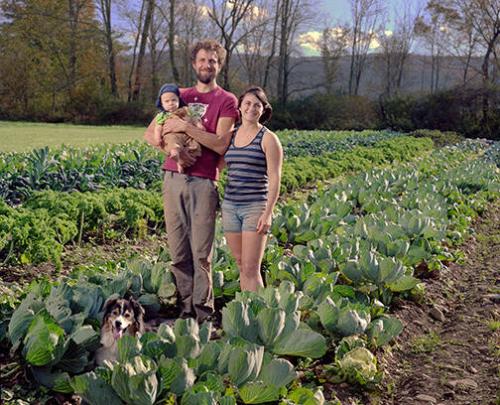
column 24, row 136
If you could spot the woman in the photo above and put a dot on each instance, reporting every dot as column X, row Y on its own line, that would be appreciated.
column 254, row 159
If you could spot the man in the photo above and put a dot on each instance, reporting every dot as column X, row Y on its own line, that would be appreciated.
column 191, row 198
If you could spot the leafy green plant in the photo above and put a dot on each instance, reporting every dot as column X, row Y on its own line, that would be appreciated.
column 271, row 318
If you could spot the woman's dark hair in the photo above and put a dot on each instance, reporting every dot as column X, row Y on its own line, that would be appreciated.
column 261, row 95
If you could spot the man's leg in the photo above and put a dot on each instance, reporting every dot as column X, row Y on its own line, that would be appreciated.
column 175, row 208
column 204, row 200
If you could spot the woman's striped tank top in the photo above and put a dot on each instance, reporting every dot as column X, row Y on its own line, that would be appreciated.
column 247, row 171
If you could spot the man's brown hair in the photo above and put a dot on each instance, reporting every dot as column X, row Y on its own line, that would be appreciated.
column 209, row 45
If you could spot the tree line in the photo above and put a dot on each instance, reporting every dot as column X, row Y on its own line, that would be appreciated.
column 79, row 59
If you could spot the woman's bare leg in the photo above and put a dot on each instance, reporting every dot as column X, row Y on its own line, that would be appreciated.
column 252, row 252
column 234, row 242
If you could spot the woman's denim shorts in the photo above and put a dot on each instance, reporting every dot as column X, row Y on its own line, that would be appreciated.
column 239, row 217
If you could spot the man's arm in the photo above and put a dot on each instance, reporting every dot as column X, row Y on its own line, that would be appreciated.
column 153, row 137
column 218, row 142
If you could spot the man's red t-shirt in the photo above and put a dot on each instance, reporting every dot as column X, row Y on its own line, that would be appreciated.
column 217, row 103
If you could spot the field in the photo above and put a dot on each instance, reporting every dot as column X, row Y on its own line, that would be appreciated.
column 25, row 136
column 380, row 272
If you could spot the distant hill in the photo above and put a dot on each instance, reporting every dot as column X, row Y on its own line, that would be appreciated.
column 308, row 76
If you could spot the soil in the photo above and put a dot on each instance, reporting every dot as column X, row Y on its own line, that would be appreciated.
column 449, row 350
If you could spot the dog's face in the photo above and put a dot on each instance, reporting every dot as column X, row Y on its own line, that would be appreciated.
column 121, row 316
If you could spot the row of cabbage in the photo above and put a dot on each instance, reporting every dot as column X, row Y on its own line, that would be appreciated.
column 36, row 231
column 136, row 164
column 327, row 299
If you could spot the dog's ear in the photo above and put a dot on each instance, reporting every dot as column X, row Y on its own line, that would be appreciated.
column 138, row 315
column 110, row 303
column 138, row 309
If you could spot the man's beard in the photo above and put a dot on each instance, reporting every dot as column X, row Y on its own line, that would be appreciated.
column 205, row 77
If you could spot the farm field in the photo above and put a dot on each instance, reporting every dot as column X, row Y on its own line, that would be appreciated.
column 369, row 274
column 25, row 136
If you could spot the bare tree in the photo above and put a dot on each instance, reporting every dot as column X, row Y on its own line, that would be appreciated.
column 274, row 39
column 460, row 39
column 136, row 22
column 158, row 41
column 150, row 5
column 333, row 44
column 365, row 15
column 479, row 22
column 395, row 48
column 191, row 24
column 432, row 29
column 292, row 15
column 155, row 27
column 253, row 47
column 171, row 39
column 484, row 16
column 105, row 11
column 227, row 16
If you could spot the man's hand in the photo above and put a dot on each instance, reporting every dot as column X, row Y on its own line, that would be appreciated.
column 174, row 125
column 182, row 157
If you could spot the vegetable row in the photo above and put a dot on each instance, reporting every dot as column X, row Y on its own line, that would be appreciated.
column 136, row 164
column 37, row 231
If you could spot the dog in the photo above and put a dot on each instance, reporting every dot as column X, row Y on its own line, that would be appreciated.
column 121, row 317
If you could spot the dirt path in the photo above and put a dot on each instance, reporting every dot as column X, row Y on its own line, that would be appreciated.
column 449, row 351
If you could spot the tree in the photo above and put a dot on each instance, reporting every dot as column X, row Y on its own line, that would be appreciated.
column 395, row 48
column 171, row 40
column 365, row 15
column 105, row 10
column 333, row 44
column 292, row 15
column 479, row 21
column 456, row 35
column 150, row 6
column 257, row 43
column 227, row 16
column 484, row 16
column 191, row 24
column 274, row 39
column 59, row 42
column 432, row 28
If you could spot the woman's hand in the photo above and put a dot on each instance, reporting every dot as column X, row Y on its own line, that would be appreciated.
column 264, row 224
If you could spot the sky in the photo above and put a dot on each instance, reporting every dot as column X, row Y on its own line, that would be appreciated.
column 339, row 11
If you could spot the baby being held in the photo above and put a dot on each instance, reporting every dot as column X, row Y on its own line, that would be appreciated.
column 171, row 106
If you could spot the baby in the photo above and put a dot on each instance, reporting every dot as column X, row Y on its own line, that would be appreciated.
column 171, row 105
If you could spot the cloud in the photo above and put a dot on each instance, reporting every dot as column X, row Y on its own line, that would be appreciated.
column 309, row 42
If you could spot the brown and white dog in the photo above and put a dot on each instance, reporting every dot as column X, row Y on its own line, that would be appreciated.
column 121, row 316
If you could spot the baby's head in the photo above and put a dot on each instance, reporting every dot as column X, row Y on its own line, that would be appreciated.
column 169, row 98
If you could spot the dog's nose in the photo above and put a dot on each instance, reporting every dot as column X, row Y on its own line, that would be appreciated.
column 118, row 324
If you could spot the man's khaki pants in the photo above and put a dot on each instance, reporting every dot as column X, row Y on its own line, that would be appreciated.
column 190, row 205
